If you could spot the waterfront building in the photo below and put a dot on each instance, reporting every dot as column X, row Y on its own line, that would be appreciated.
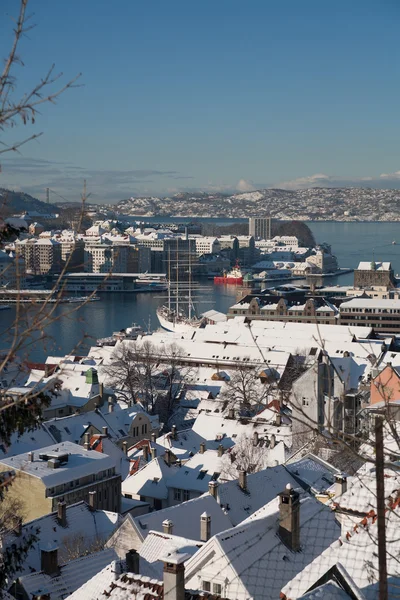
column 206, row 245
column 273, row 308
column 323, row 259
column 382, row 315
column 374, row 274
column 63, row 472
column 260, row 227
column 42, row 256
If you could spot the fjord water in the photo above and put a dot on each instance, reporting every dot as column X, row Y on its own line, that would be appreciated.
column 351, row 242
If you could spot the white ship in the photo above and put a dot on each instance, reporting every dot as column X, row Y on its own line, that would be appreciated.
column 173, row 317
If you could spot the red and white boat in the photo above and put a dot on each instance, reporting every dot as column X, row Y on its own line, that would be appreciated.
column 233, row 277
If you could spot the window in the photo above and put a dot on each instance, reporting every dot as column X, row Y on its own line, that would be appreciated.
column 177, row 495
column 144, row 428
column 217, row 589
column 186, row 495
column 305, row 402
column 206, row 585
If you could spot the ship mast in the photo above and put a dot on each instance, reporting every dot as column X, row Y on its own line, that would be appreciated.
column 177, row 277
column 190, row 284
column 169, row 281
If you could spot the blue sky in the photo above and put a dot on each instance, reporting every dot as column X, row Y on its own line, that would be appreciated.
column 209, row 94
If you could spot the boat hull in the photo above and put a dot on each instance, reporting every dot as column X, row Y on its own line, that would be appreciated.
column 228, row 280
column 176, row 327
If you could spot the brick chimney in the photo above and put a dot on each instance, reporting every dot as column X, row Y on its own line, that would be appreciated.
column 213, row 488
column 174, row 576
column 153, row 437
column 289, row 518
column 86, row 443
column 132, row 561
column 62, row 514
column 93, row 500
column 105, row 430
column 202, row 448
column 146, row 452
column 205, row 527
column 243, row 480
column 167, row 526
column 231, row 413
column 31, row 456
column 220, row 450
column 49, row 559
column 340, row 485
column 278, row 419
column 110, row 406
column 174, row 433
column 125, row 447
column 153, row 452
column 168, row 457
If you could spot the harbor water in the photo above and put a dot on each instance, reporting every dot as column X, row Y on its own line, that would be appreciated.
column 351, row 243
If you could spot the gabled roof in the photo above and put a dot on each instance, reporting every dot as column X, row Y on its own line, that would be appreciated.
column 159, row 544
column 313, row 473
column 357, row 553
column 72, row 576
column 84, row 528
column 151, row 481
column 185, row 518
column 262, row 487
column 254, row 560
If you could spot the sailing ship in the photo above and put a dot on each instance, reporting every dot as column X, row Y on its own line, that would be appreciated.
column 233, row 277
column 173, row 316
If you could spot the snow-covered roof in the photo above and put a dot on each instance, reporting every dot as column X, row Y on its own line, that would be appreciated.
column 151, row 481
column 185, row 518
column 28, row 441
column 159, row 544
column 261, row 488
column 380, row 303
column 84, row 527
column 251, row 558
column 197, row 472
column 313, row 472
column 374, row 266
column 71, row 577
column 357, row 553
column 80, row 463
column 188, row 442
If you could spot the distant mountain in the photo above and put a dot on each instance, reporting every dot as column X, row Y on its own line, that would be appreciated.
column 312, row 204
column 17, row 202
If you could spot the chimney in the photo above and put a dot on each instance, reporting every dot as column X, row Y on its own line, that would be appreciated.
column 255, row 438
column 86, row 443
column 174, row 576
column 278, row 419
column 105, row 430
column 289, row 518
column 153, row 437
column 272, row 441
column 101, row 390
column 220, row 450
column 243, row 480
column 213, row 488
column 132, row 562
column 202, row 448
column 146, row 452
column 125, row 447
column 49, row 559
column 110, row 406
column 62, row 514
column 153, row 453
column 340, row 485
column 116, row 569
column 205, row 527
column 93, row 500
column 31, row 456
column 174, row 433
column 167, row 526
column 168, row 457
column 231, row 413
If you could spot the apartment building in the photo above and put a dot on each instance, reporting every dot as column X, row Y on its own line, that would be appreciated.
column 207, row 245
column 63, row 472
column 381, row 314
column 260, row 227
column 42, row 256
